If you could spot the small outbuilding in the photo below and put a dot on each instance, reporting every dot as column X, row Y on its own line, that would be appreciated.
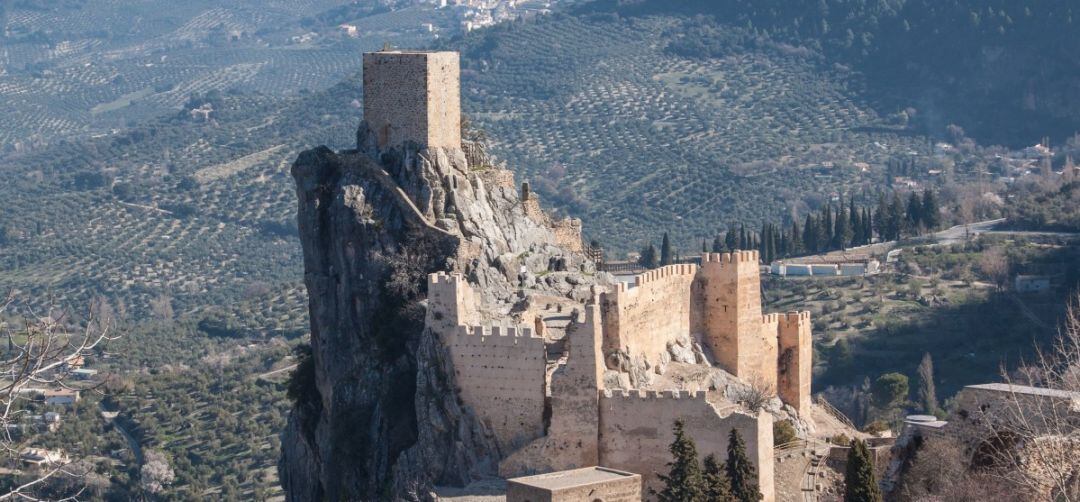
column 588, row 484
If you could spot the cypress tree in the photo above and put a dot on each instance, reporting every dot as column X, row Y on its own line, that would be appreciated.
column 717, row 486
column 895, row 224
column 860, row 483
column 881, row 215
column 666, row 256
column 648, row 257
column 684, row 482
column 717, row 244
column 744, row 238
column 731, row 239
column 868, row 227
column 795, row 240
column 914, row 212
column 810, row 234
column 741, row 473
column 927, row 390
column 931, row 215
column 826, row 224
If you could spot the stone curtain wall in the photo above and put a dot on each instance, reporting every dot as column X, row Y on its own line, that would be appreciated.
column 413, row 97
column 572, row 437
column 795, row 363
column 501, row 375
column 642, row 319
column 636, row 430
column 451, row 301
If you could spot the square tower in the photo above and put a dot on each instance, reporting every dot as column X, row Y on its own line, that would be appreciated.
column 413, row 97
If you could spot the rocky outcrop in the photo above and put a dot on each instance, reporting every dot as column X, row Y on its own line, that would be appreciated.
column 380, row 417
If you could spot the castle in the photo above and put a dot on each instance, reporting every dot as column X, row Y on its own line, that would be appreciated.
column 545, row 376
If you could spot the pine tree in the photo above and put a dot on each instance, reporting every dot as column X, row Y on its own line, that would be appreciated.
column 741, row 473
column 927, row 390
column 684, row 482
column 666, row 256
column 717, row 485
column 860, row 483
column 880, row 217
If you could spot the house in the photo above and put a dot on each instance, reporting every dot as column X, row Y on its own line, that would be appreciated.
column 84, row 373
column 61, row 397
column 41, row 457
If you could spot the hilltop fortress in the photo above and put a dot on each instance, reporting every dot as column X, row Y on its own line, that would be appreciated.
column 526, row 359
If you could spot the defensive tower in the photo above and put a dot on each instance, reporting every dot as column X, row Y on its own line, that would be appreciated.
column 413, row 98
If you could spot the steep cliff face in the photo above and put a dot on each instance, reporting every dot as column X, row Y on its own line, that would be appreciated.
column 381, row 418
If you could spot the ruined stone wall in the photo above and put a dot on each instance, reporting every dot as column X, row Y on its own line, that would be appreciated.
column 568, row 234
column 413, row 97
column 572, row 437
column 655, row 310
column 733, row 325
column 636, row 430
column 795, row 361
column 500, row 373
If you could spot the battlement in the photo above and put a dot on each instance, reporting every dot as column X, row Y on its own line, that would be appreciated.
column 751, row 256
column 790, row 318
column 770, row 319
column 654, row 394
column 496, row 331
column 677, row 270
column 445, row 278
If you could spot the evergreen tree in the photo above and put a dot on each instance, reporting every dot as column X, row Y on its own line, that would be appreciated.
column 841, row 229
column 731, row 239
column 931, row 213
column 795, row 239
column 895, row 223
column 860, row 483
column 717, row 244
column 684, row 482
column 717, row 486
column 914, row 213
column 810, row 234
column 667, row 257
column 880, row 217
column 868, row 227
column 741, row 473
column 826, row 224
column 744, row 238
column 648, row 257
column 927, row 390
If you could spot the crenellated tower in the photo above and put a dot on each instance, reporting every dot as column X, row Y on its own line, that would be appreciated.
column 739, row 337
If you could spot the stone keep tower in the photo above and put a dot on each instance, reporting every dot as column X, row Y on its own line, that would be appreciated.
column 413, row 97
column 738, row 335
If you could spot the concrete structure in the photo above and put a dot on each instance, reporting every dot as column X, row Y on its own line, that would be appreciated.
column 413, row 98
column 587, row 484
column 61, row 396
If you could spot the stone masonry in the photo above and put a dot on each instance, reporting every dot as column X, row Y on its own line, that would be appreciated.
column 413, row 97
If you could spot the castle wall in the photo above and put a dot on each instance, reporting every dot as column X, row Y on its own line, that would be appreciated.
column 636, row 430
column 733, row 326
column 643, row 318
column 572, row 436
column 451, row 301
column 500, row 374
column 795, row 361
column 413, row 97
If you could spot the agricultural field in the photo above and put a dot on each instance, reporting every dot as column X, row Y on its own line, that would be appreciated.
column 94, row 67
column 938, row 299
column 611, row 127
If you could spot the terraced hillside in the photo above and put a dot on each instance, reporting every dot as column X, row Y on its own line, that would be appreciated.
column 615, row 129
column 90, row 67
